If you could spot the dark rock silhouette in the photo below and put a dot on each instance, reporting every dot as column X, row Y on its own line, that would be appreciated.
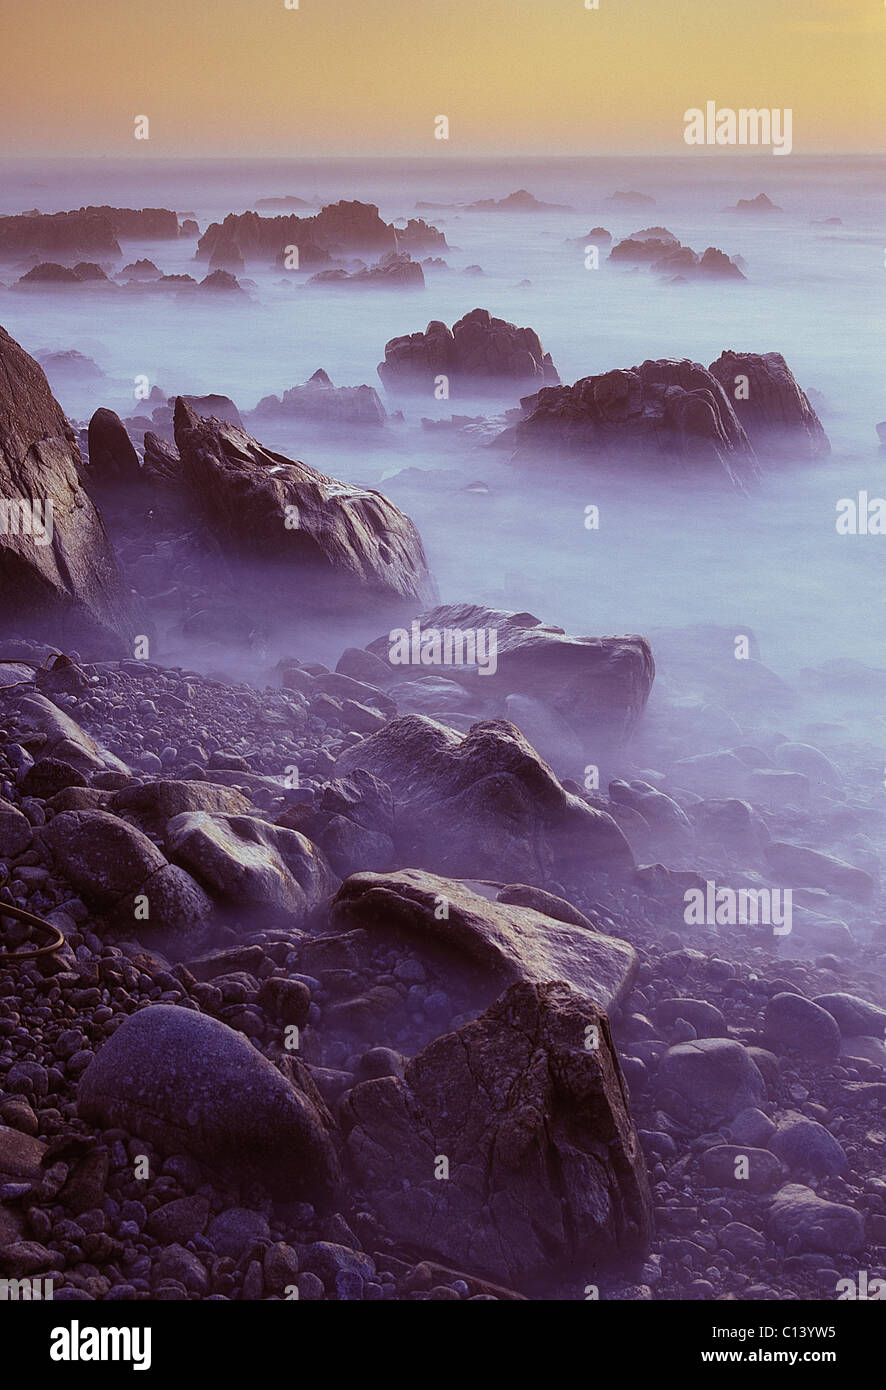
column 478, row 351
column 339, row 229
column 112, row 457
column 664, row 409
column 82, row 234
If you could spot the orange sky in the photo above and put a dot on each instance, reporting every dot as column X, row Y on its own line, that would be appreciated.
column 222, row 77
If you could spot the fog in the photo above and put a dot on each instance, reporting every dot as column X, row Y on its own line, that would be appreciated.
column 669, row 552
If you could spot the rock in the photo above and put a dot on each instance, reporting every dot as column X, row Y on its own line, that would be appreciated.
column 394, row 270
column 35, row 719
column 656, row 809
column 597, row 686
column 318, row 399
column 69, row 366
column 235, row 1231
column 751, row 1126
column 140, row 270
column 762, row 203
column 508, row 942
column 56, row 559
column 806, row 1147
column 797, row 1215
column 484, row 805
column 112, row 459
column 190, row 1084
column 50, row 273
column 811, row 762
column 162, row 464
column 153, row 804
column 49, row 776
column 339, row 228
column 743, row 1241
column 706, row 1019
column 215, row 408
column 544, row 1164
column 21, row 1154
column 521, row 201
column 807, row 868
column 548, row 904
column 249, row 864
column 775, row 413
column 741, row 1167
column 710, row 1080
column 479, row 353
column 353, row 542
column 673, row 411
column 221, row 281
column 794, row 1022
column 854, row 1015
column 84, row 233
column 120, row 871
column 15, row 831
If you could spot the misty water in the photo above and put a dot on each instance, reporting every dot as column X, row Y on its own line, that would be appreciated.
column 669, row 552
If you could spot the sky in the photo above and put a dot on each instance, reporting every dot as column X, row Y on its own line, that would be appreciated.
column 252, row 77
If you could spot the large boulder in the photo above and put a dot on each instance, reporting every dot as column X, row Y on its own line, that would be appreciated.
column 773, row 409
column 708, row 1081
column 484, row 805
column 274, row 510
column 57, row 567
column 595, row 687
column 479, row 352
column 122, row 874
column 804, row 1221
column 543, row 1166
column 506, row 941
column 670, row 411
column 343, row 228
column 190, row 1084
column 247, row 863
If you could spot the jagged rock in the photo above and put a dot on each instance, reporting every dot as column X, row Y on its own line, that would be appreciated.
column 112, row 457
column 247, row 863
column 544, row 1164
column 221, row 282
column 484, row 805
column 338, row 229
column 215, row 408
column 318, row 399
column 138, row 224
column 354, row 542
column 507, row 941
column 190, row 1084
column 140, row 270
column 479, row 352
column 85, row 234
column 68, row 589
column 770, row 405
column 162, row 464
column 49, row 273
column 674, row 410
column 595, row 686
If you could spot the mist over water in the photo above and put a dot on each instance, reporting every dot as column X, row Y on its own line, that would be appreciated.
column 670, row 551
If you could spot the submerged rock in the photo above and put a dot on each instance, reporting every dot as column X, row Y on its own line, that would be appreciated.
column 772, row 408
